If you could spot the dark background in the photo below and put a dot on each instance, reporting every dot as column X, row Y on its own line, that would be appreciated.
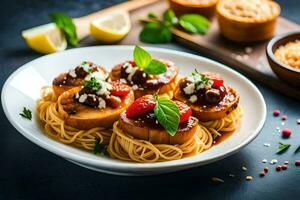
column 30, row 172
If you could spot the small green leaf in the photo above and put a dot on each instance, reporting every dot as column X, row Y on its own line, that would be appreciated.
column 26, row 113
column 65, row 23
column 167, row 114
column 155, row 67
column 100, row 148
column 155, row 33
column 141, row 57
column 282, row 148
column 194, row 23
column 170, row 17
column 93, row 84
column 298, row 149
column 152, row 15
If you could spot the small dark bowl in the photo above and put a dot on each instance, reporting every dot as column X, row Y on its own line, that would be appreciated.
column 283, row 71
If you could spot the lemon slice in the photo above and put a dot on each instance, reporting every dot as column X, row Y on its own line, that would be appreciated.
column 45, row 39
column 111, row 28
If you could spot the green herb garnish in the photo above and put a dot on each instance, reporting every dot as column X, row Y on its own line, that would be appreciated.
column 144, row 61
column 169, row 16
column 65, row 23
column 100, row 148
column 298, row 149
column 194, row 23
column 156, row 33
column 93, row 84
column 167, row 114
column 152, row 15
column 160, row 31
column 282, row 148
column 26, row 113
column 200, row 80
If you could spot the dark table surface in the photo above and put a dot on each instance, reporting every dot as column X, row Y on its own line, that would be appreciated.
column 30, row 172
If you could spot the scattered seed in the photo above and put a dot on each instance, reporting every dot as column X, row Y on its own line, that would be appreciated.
column 278, row 168
column 286, row 162
column 284, row 117
column 244, row 168
column 276, row 113
column 286, row 132
column 266, row 169
column 249, row 178
column 262, row 174
column 217, row 180
column 264, row 161
column 248, row 50
column 297, row 162
column 232, row 175
column 274, row 161
column 284, row 167
column 267, row 144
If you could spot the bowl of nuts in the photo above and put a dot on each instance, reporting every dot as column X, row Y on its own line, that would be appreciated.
column 283, row 53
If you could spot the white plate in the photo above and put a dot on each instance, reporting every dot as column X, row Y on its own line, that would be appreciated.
column 23, row 89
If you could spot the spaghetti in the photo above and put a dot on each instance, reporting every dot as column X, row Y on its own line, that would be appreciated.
column 124, row 147
column 55, row 127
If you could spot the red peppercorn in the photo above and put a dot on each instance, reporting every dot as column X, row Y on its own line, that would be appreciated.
column 286, row 132
column 262, row 174
column 297, row 162
column 266, row 170
column 284, row 117
column 284, row 167
column 278, row 168
column 276, row 113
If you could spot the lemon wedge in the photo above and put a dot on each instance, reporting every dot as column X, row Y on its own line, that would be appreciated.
column 45, row 39
column 111, row 27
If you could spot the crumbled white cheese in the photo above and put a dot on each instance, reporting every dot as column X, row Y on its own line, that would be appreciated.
column 102, row 103
column 274, row 161
column 189, row 89
column 100, row 75
column 264, row 161
column 104, row 89
column 86, row 66
column 72, row 73
column 82, row 98
column 122, row 80
column 93, row 96
column 135, row 87
column 130, row 70
column 193, row 98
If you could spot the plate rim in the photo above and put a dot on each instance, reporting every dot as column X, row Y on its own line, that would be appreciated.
column 129, row 166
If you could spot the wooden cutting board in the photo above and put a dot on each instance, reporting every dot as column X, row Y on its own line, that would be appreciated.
column 252, row 64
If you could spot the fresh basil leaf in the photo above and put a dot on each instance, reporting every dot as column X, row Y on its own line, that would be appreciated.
column 298, row 149
column 26, row 113
column 155, row 33
column 170, row 17
column 65, row 23
column 282, row 148
column 194, row 23
column 152, row 15
column 141, row 57
column 155, row 67
column 167, row 114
